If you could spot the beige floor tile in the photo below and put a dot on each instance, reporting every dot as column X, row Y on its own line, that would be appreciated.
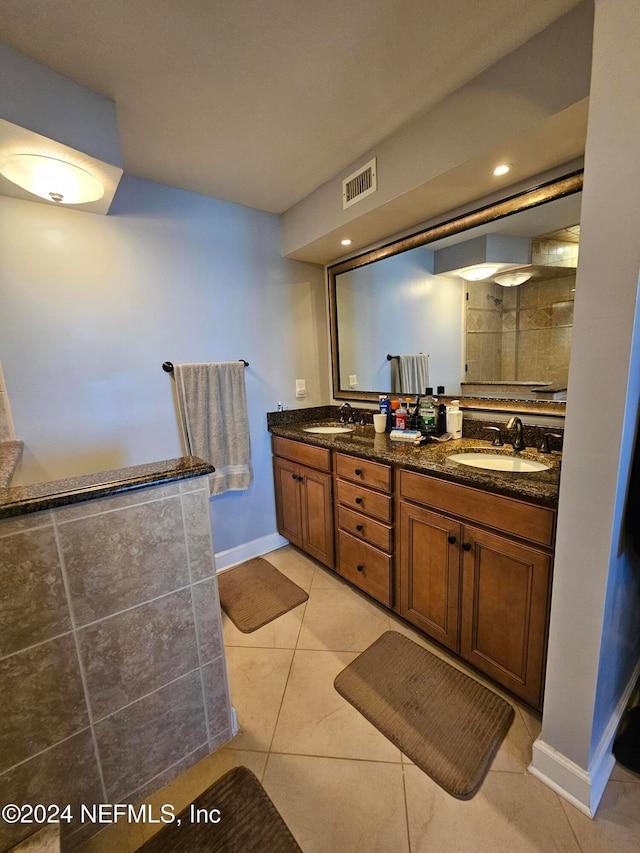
column 294, row 564
column 339, row 806
column 511, row 813
column 514, row 753
column 123, row 837
column 531, row 720
column 257, row 679
column 621, row 774
column 194, row 781
column 326, row 579
column 46, row 840
column 316, row 720
column 616, row 826
column 340, row 620
column 280, row 633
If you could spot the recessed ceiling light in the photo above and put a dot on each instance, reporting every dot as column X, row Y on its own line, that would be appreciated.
column 502, row 169
column 55, row 180
column 345, row 242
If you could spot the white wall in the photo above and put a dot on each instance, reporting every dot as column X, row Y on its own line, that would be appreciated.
column 594, row 644
column 90, row 307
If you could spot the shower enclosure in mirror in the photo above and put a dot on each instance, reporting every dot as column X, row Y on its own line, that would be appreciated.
column 483, row 303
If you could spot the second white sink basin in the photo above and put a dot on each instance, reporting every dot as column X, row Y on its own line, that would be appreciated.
column 328, row 430
column 499, row 462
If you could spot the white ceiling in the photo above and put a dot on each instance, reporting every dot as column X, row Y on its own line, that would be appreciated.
column 261, row 101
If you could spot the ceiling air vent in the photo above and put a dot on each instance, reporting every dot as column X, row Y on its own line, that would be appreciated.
column 359, row 184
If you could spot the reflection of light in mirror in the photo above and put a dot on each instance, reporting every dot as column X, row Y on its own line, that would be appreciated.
column 502, row 169
column 477, row 273
column 512, row 279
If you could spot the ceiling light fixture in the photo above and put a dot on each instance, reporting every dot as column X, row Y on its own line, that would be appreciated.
column 477, row 273
column 502, row 169
column 52, row 179
column 345, row 242
column 511, row 279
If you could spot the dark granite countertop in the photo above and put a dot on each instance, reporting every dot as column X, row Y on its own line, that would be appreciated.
column 540, row 487
column 17, row 500
column 10, row 455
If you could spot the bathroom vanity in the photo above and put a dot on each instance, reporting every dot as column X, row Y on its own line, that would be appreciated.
column 464, row 554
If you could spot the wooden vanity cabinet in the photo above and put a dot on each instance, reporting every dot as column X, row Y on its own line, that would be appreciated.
column 483, row 593
column 364, row 514
column 303, row 490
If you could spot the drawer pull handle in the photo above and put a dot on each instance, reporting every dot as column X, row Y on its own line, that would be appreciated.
column 452, row 540
column 358, row 472
column 359, row 527
column 358, row 500
column 360, row 568
column 466, row 546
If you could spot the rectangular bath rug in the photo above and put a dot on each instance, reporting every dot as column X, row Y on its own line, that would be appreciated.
column 448, row 724
column 234, row 815
column 255, row 592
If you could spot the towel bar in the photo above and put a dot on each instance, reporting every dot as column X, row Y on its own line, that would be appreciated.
column 167, row 366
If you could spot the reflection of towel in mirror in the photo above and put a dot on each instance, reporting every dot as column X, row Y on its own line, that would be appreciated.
column 414, row 373
column 213, row 409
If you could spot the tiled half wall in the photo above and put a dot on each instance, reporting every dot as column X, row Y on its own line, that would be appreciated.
column 112, row 669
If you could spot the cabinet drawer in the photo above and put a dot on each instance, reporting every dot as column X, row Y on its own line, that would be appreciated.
column 364, row 500
column 534, row 523
column 372, row 474
column 365, row 528
column 306, row 454
column 365, row 566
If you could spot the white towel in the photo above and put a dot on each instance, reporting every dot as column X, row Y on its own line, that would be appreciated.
column 213, row 408
column 414, row 373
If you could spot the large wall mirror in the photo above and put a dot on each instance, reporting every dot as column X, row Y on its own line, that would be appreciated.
column 481, row 304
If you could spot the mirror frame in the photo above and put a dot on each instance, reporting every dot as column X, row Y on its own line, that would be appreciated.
column 540, row 194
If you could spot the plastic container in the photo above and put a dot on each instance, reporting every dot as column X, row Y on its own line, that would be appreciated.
column 401, row 416
column 427, row 414
column 454, row 419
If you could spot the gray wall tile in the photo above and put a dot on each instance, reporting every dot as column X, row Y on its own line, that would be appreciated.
column 9, row 526
column 198, row 531
column 33, row 602
column 66, row 773
column 208, row 619
column 43, row 700
column 120, row 559
column 97, row 506
column 216, row 696
column 142, row 740
column 138, row 651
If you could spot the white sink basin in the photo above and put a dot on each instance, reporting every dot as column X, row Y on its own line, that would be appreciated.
column 499, row 462
column 328, row 430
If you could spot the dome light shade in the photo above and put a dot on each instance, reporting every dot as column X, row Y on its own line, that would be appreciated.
column 54, row 180
column 478, row 273
column 511, row 279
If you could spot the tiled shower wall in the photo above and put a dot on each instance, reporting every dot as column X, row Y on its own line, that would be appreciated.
column 520, row 333
column 112, row 670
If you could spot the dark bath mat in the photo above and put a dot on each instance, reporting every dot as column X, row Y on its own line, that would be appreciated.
column 248, row 822
column 255, row 592
column 449, row 725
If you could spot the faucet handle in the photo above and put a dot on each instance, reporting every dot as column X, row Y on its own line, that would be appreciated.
column 497, row 439
column 544, row 444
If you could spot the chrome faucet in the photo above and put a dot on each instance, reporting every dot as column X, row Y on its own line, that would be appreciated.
column 518, row 442
column 346, row 414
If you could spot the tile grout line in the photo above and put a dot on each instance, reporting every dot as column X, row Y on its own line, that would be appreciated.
column 406, row 806
column 83, row 674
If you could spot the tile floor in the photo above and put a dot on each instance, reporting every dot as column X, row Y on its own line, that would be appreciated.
column 339, row 784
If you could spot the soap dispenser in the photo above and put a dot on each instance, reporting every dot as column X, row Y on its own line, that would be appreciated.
column 454, row 419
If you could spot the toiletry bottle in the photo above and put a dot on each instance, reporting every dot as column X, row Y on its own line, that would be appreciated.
column 428, row 424
column 385, row 409
column 442, row 419
column 454, row 419
column 401, row 416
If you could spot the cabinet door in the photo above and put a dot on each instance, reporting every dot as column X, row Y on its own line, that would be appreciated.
column 288, row 501
column 430, row 572
column 504, row 611
column 317, row 515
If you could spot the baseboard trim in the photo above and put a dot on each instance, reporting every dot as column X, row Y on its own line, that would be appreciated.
column 582, row 788
column 255, row 548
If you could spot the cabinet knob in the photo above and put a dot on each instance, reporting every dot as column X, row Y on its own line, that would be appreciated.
column 360, row 568
column 359, row 527
column 294, row 476
column 358, row 500
column 451, row 540
column 358, row 472
column 466, row 546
